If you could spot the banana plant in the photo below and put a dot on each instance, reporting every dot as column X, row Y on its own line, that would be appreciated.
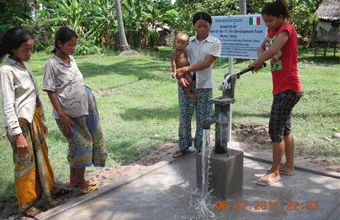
column 70, row 11
column 101, row 20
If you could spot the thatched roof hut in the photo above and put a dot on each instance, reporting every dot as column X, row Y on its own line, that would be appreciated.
column 327, row 29
column 329, row 10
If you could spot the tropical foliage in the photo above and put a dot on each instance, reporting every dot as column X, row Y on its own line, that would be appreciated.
column 146, row 22
column 12, row 13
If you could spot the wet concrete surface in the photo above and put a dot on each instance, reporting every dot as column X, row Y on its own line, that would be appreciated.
column 170, row 192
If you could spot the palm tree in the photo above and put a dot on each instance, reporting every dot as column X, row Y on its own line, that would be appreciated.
column 123, row 42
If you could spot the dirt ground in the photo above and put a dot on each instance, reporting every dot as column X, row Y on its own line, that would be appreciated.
column 253, row 134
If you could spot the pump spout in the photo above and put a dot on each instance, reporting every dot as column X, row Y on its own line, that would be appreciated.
column 209, row 121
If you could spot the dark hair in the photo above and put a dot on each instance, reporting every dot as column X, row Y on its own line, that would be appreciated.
column 63, row 35
column 13, row 39
column 201, row 16
column 276, row 9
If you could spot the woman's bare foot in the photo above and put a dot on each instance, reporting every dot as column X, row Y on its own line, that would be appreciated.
column 73, row 184
column 31, row 212
column 83, row 185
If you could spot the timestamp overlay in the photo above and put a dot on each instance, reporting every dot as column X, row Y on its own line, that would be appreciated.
column 266, row 205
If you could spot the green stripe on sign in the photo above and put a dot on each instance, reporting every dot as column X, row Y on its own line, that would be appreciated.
column 250, row 20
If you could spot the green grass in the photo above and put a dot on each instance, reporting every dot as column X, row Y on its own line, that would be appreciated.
column 138, row 106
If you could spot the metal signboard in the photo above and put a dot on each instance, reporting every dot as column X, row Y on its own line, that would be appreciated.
column 240, row 35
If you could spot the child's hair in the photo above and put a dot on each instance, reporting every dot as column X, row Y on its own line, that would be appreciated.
column 63, row 35
column 277, row 8
column 13, row 39
column 201, row 16
column 182, row 34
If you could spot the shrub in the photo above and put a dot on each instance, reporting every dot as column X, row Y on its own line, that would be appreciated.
column 85, row 47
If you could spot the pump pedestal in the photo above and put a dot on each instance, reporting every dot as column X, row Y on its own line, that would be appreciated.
column 225, row 173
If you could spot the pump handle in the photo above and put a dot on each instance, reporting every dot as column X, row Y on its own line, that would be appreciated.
column 247, row 70
column 224, row 84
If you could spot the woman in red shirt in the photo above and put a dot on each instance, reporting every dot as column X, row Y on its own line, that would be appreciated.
column 280, row 46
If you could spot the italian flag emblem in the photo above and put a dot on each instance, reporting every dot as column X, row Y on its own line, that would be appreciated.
column 254, row 20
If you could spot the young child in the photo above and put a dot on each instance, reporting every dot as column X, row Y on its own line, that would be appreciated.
column 75, row 110
column 281, row 47
column 179, row 60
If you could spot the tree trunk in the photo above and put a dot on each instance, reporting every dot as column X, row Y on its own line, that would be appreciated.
column 25, row 9
column 243, row 7
column 25, row 5
column 123, row 42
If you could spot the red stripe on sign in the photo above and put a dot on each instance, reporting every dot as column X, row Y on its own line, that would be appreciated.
column 258, row 20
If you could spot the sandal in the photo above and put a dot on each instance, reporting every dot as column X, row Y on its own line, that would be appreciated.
column 180, row 153
column 89, row 182
column 88, row 190
column 283, row 172
column 286, row 173
column 92, row 182
column 269, row 182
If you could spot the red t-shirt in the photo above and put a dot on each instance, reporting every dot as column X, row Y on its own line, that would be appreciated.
column 284, row 63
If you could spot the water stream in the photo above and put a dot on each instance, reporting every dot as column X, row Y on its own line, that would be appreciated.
column 204, row 201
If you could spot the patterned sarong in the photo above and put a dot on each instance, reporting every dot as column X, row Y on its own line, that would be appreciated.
column 86, row 142
column 33, row 172
column 187, row 106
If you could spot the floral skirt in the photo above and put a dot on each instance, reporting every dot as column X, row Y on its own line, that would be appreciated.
column 86, row 142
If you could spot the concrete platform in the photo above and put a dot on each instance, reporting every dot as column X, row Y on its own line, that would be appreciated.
column 168, row 190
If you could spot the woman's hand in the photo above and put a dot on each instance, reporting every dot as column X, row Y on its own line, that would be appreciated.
column 21, row 144
column 183, row 82
column 257, row 65
column 67, row 123
column 45, row 130
column 181, row 71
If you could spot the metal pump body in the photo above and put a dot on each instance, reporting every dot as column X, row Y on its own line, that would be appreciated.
column 222, row 114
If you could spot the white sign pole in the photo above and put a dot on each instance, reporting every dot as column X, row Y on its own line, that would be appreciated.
column 229, row 128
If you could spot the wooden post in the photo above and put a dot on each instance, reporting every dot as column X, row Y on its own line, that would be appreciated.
column 315, row 48
column 314, row 40
column 324, row 53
